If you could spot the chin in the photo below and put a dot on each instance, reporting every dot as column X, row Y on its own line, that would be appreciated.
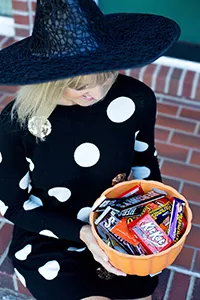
column 85, row 104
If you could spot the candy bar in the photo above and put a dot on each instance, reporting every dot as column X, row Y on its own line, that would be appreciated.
column 138, row 201
column 113, row 244
column 129, row 201
column 136, row 190
column 160, row 211
column 159, row 191
column 106, row 222
column 165, row 223
column 149, row 233
column 176, row 221
column 121, row 230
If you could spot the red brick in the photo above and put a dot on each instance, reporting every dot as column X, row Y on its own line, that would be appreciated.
column 182, row 171
column 172, row 182
column 122, row 72
column 8, row 89
column 22, row 32
column 7, row 266
column 7, row 100
column 175, row 123
column 19, row 5
column 191, row 192
column 148, row 74
column 176, row 74
column 196, row 213
column 23, row 290
column 8, row 42
column 24, row 20
column 187, row 85
column 5, row 237
column 193, row 237
column 193, row 114
column 160, row 84
column 195, row 159
column 179, row 287
column 198, row 90
column 184, row 259
column 135, row 73
column 174, row 82
column 161, row 134
column 171, row 151
column 180, row 102
column 167, row 109
column 191, row 141
column 197, row 263
column 34, row 4
column 163, row 280
column 6, row 281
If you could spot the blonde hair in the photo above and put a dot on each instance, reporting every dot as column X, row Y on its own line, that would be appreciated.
column 40, row 100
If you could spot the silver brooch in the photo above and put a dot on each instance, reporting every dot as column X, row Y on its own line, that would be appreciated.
column 39, row 126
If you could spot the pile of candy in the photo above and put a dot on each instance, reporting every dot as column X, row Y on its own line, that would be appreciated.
column 140, row 224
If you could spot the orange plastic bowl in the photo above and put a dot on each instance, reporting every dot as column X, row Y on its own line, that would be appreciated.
column 149, row 264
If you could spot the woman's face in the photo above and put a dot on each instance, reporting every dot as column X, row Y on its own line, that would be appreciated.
column 86, row 96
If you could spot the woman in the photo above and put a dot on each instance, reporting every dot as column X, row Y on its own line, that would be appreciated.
column 76, row 125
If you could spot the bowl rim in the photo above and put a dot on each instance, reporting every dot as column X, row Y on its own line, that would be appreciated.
column 145, row 257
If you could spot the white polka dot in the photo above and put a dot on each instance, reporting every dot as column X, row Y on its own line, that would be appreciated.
column 32, row 203
column 86, row 155
column 140, row 146
column 3, row 208
column 60, row 193
column 48, row 233
column 23, row 253
column 155, row 153
column 31, row 164
column 21, row 278
column 137, row 133
column 1, row 158
column 141, row 172
column 29, row 188
column 76, row 249
column 24, row 182
column 121, row 109
column 84, row 214
column 50, row 270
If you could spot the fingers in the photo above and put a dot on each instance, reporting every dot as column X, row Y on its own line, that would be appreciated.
column 100, row 256
column 110, row 268
column 98, row 252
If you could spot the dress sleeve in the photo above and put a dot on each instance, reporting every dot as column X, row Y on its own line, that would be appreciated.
column 15, row 203
column 145, row 164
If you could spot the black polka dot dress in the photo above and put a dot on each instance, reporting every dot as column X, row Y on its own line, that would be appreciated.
column 47, row 188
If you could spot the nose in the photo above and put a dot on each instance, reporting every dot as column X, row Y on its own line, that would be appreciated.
column 96, row 92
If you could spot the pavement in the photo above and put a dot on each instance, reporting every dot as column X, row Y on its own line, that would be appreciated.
column 178, row 144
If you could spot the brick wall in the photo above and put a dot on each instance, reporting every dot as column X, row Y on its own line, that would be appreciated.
column 23, row 14
column 178, row 145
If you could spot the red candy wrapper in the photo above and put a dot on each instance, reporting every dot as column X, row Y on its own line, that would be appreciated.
column 121, row 229
column 136, row 190
column 149, row 233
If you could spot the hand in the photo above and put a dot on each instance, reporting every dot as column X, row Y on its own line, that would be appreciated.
column 99, row 255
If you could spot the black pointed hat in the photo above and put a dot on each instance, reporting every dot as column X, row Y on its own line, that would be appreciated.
column 73, row 37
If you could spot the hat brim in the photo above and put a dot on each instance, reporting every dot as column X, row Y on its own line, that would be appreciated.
column 140, row 39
